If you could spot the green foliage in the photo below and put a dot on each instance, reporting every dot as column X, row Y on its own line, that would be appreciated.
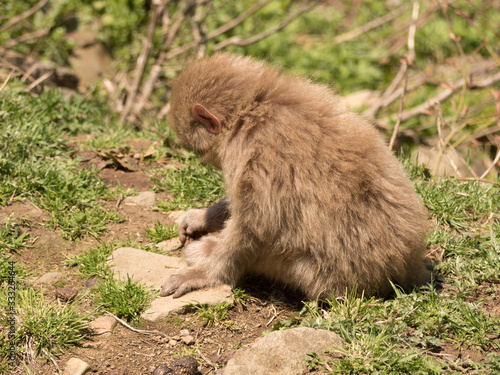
column 240, row 296
column 11, row 237
column 35, row 162
column 213, row 314
column 191, row 185
column 93, row 262
column 120, row 19
column 126, row 299
column 160, row 232
column 43, row 327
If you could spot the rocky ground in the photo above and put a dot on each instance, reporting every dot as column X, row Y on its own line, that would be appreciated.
column 168, row 341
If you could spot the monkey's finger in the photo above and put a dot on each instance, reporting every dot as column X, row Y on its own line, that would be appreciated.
column 169, row 287
column 182, row 232
column 181, row 290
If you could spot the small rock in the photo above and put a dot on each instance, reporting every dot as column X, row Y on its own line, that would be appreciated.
column 162, row 369
column 184, row 332
column 90, row 283
column 145, row 199
column 103, row 326
column 49, row 278
column 185, row 365
column 172, row 343
column 282, row 352
column 66, row 294
column 169, row 245
column 119, row 371
column 224, row 357
column 188, row 340
column 76, row 366
column 176, row 216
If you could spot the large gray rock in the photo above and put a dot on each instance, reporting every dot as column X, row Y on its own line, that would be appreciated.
column 154, row 270
column 282, row 352
column 144, row 199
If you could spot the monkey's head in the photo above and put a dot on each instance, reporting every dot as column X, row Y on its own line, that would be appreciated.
column 205, row 100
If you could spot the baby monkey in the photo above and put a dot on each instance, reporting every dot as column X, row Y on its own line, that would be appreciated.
column 315, row 199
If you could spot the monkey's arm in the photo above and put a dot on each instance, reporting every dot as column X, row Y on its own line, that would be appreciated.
column 198, row 222
column 212, row 261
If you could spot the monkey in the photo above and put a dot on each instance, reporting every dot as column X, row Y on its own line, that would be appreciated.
column 315, row 200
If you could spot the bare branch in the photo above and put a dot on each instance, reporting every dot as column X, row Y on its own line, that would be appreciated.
column 39, row 80
column 141, row 61
column 239, row 41
column 353, row 34
column 443, row 95
column 401, row 104
column 23, row 38
column 492, row 165
column 6, row 80
column 235, row 22
column 411, row 33
column 23, row 15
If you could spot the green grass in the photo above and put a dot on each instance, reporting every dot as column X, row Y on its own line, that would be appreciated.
column 191, row 185
column 12, row 238
column 43, row 328
column 93, row 262
column 37, row 164
column 126, row 299
column 160, row 232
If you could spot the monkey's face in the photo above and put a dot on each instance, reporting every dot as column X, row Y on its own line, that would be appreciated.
column 194, row 136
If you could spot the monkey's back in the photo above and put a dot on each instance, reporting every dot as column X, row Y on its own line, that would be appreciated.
column 322, row 192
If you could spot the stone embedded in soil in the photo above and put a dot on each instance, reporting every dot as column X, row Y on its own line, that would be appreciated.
column 76, row 366
column 162, row 369
column 103, row 326
column 185, row 365
column 145, row 199
column 50, row 278
column 66, row 294
column 169, row 245
column 282, row 352
column 119, row 371
column 188, row 340
column 154, row 270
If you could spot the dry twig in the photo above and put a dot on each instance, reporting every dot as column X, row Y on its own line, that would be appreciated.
column 142, row 60
column 353, row 34
column 23, row 15
column 142, row 331
column 443, row 95
column 239, row 41
column 404, row 69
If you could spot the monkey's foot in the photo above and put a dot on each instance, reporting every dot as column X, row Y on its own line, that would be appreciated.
column 184, row 282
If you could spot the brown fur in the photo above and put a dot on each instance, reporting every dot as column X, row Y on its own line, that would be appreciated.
column 315, row 199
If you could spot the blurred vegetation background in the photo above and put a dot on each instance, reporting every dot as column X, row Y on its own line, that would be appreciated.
column 426, row 72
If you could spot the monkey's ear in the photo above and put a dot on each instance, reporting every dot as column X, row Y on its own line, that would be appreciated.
column 207, row 118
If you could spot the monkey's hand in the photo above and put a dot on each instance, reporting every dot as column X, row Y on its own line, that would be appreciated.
column 193, row 225
column 185, row 281
column 196, row 223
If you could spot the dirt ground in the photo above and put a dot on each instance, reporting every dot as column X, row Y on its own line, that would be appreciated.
column 126, row 351
column 130, row 352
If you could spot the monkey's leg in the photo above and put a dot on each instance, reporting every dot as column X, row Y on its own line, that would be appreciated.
column 198, row 222
column 212, row 261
